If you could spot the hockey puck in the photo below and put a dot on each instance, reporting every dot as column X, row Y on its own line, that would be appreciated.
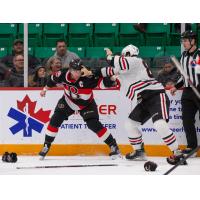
column 150, row 166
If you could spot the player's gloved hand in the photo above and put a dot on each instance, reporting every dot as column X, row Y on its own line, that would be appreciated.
column 173, row 91
column 108, row 52
column 86, row 72
column 43, row 92
column 113, row 78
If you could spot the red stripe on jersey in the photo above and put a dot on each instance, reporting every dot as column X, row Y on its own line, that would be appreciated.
column 52, row 129
column 110, row 71
column 66, row 87
column 123, row 62
column 68, row 78
column 102, row 132
column 74, row 101
column 81, row 107
column 134, row 87
column 99, row 82
column 91, row 98
column 84, row 91
column 161, row 99
column 170, row 139
column 76, row 90
column 163, row 105
column 135, row 141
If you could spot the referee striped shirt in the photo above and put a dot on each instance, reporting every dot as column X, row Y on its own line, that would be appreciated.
column 188, row 61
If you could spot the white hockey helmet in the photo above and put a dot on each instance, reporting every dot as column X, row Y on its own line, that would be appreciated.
column 130, row 50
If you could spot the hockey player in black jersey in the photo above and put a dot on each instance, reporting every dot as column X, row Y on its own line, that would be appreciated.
column 78, row 96
column 152, row 102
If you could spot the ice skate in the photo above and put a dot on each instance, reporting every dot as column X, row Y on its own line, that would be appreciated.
column 137, row 155
column 188, row 151
column 44, row 151
column 176, row 157
column 115, row 152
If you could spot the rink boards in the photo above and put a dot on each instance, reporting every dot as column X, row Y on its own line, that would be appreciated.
column 25, row 115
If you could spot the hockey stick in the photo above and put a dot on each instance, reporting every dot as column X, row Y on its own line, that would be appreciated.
column 178, row 66
column 182, row 160
column 67, row 166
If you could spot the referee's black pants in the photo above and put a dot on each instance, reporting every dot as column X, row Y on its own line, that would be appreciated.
column 190, row 106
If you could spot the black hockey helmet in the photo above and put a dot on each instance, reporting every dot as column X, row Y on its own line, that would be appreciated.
column 76, row 64
column 189, row 35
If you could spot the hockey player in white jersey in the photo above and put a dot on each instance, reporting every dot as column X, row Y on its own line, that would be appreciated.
column 152, row 102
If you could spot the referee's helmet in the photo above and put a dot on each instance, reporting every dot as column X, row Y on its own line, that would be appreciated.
column 189, row 35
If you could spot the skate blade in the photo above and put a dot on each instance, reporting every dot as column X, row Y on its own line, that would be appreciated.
column 138, row 159
column 192, row 156
column 41, row 157
column 116, row 157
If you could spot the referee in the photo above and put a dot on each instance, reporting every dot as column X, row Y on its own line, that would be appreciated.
column 189, row 101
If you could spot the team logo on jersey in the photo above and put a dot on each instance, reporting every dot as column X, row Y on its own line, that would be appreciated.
column 193, row 63
column 70, row 88
column 27, row 119
column 57, row 74
column 81, row 83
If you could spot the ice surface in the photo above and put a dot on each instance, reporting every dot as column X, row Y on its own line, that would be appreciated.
column 123, row 166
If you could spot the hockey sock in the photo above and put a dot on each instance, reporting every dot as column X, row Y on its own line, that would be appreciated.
column 50, row 134
column 166, row 134
column 134, row 135
column 96, row 126
column 48, row 140
column 110, row 141
column 106, row 137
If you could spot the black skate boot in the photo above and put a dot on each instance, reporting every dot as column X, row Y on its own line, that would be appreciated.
column 44, row 151
column 114, row 152
column 137, row 155
column 176, row 157
column 188, row 151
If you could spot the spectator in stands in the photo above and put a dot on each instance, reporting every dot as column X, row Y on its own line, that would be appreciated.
column 15, row 77
column 65, row 55
column 3, row 71
column 55, row 64
column 141, row 27
column 169, row 75
column 18, row 49
column 39, row 79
